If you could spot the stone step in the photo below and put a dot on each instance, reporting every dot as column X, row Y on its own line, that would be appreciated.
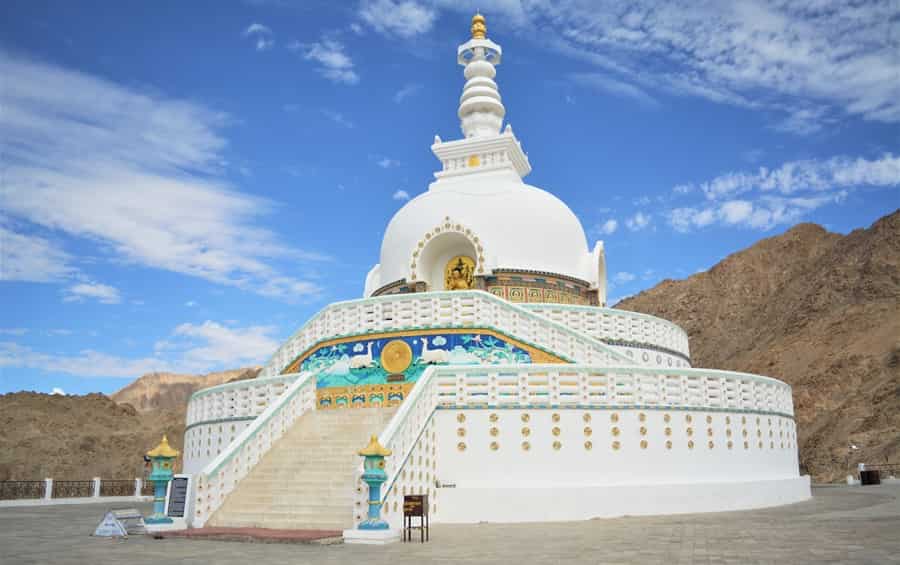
column 306, row 480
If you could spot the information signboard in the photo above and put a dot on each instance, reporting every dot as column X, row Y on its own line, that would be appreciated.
column 178, row 492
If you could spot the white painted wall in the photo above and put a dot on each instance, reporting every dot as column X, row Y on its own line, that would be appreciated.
column 510, row 484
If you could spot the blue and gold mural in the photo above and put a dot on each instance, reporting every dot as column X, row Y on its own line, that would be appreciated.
column 381, row 369
column 405, row 358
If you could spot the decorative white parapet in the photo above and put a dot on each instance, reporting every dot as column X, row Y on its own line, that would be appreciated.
column 617, row 326
column 222, row 474
column 456, row 309
column 217, row 415
column 412, row 466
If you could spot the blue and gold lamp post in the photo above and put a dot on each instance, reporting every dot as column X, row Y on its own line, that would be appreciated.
column 374, row 476
column 162, row 458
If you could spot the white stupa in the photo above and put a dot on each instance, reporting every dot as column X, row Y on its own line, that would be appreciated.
column 504, row 225
column 495, row 379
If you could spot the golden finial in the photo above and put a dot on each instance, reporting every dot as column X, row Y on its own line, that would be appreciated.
column 163, row 449
column 479, row 27
column 374, row 448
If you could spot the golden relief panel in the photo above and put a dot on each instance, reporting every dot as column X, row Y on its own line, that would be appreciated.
column 362, row 396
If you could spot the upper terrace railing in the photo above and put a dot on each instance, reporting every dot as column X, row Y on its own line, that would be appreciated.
column 223, row 473
column 558, row 386
column 611, row 325
column 458, row 309
column 240, row 399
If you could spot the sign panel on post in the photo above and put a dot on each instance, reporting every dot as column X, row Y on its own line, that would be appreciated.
column 178, row 492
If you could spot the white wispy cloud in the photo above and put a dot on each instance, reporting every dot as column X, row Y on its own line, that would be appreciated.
column 808, row 175
column 136, row 172
column 400, row 195
column 808, row 62
column 610, row 85
column 261, row 34
column 608, row 227
column 13, row 331
column 58, row 332
column 393, row 18
column 211, row 344
column 338, row 118
column 623, row 277
column 86, row 363
column 638, row 221
column 764, row 213
column 32, row 258
column 410, row 89
column 102, row 293
column 190, row 348
column 333, row 61
column 765, row 198
column 387, row 163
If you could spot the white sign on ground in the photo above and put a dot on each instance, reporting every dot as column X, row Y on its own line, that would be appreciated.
column 110, row 526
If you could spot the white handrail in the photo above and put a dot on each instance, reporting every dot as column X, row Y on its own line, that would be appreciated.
column 222, row 474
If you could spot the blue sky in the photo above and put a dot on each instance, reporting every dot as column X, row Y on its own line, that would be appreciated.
column 185, row 183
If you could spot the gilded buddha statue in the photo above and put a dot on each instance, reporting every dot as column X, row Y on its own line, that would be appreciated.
column 459, row 273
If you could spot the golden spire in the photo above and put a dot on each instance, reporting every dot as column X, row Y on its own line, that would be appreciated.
column 374, row 448
column 163, row 449
column 479, row 27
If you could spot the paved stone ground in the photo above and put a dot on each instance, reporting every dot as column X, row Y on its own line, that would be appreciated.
column 839, row 525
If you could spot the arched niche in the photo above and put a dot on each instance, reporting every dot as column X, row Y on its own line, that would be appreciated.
column 438, row 247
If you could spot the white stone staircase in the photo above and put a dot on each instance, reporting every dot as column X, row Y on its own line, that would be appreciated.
column 306, row 480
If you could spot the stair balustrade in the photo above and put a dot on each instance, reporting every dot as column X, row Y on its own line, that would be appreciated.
column 222, row 474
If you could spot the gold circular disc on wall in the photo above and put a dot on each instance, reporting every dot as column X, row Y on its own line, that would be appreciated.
column 396, row 356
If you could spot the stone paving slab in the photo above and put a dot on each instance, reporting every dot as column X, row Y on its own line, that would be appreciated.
column 839, row 525
column 257, row 535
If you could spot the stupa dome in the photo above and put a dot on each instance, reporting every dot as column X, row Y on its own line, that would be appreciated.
column 519, row 227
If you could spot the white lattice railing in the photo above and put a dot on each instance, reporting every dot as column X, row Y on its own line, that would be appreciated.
column 562, row 386
column 458, row 309
column 585, row 386
column 241, row 399
column 617, row 325
column 222, row 474
column 402, row 435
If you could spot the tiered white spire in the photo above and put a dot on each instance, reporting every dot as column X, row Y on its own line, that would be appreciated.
column 480, row 108
column 484, row 149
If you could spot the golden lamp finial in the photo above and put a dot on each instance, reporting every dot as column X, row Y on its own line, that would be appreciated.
column 163, row 449
column 479, row 27
column 374, row 448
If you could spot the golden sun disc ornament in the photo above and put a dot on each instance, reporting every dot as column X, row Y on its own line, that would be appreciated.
column 396, row 356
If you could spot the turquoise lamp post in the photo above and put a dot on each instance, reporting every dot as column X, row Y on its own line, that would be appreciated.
column 374, row 476
column 162, row 458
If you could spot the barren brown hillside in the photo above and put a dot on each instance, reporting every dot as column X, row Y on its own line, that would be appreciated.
column 79, row 437
column 818, row 310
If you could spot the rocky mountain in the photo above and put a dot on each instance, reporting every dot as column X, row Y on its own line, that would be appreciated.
column 79, row 437
column 818, row 310
column 171, row 391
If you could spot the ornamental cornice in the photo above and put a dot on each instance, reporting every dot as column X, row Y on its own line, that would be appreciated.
column 480, row 154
